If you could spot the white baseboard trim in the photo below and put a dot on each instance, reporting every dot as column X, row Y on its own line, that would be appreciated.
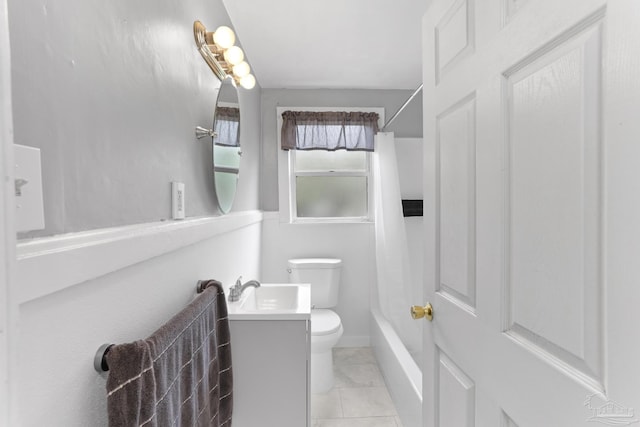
column 354, row 341
column 50, row 264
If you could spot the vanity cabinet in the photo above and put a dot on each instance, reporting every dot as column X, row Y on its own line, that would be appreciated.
column 271, row 372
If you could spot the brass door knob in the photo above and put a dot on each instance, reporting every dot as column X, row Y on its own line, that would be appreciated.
column 418, row 312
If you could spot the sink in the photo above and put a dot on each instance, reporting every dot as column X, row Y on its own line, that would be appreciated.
column 271, row 298
column 272, row 301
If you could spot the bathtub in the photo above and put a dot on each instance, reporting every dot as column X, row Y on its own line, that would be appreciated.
column 401, row 373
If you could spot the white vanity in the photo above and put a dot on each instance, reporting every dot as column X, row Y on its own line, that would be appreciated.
column 270, row 346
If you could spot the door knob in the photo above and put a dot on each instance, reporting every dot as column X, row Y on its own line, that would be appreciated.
column 418, row 312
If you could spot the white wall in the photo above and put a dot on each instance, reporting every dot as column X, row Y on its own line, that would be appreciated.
column 61, row 331
column 409, row 155
column 353, row 243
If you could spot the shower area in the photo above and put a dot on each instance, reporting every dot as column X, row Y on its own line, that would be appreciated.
column 396, row 337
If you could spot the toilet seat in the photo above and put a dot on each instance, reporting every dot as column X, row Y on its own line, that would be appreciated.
column 324, row 322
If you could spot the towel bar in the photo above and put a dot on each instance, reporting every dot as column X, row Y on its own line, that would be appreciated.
column 100, row 361
column 200, row 286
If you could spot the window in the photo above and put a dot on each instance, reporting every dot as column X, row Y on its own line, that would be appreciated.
column 330, row 184
column 326, row 186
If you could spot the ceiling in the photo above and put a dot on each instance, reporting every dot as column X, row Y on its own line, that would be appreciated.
column 355, row 44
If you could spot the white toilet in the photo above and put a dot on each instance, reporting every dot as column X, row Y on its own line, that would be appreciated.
column 323, row 274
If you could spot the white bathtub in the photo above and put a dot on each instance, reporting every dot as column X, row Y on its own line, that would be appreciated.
column 401, row 374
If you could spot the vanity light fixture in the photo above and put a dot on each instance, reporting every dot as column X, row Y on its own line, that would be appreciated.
column 223, row 57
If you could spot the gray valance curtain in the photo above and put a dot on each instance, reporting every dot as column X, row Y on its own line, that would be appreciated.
column 227, row 126
column 328, row 130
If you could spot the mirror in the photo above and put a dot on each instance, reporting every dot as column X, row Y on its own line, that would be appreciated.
column 226, row 144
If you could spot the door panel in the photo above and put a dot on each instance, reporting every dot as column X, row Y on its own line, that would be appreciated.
column 553, row 219
column 532, row 212
column 454, row 35
column 510, row 8
column 456, row 148
column 456, row 395
column 507, row 421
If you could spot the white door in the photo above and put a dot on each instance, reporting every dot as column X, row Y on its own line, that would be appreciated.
column 532, row 212
column 7, row 231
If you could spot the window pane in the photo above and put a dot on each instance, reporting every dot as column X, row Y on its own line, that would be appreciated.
column 330, row 160
column 327, row 196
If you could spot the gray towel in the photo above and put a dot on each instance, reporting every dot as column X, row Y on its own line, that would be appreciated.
column 179, row 376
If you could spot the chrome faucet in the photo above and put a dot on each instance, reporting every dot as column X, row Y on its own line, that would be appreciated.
column 236, row 290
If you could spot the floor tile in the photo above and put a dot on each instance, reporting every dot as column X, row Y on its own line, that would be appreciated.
column 357, row 422
column 363, row 375
column 359, row 397
column 353, row 355
column 326, row 405
column 366, row 402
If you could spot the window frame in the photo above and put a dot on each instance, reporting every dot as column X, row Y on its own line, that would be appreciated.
column 287, row 174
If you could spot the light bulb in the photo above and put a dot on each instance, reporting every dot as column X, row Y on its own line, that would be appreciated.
column 241, row 69
column 248, row 81
column 233, row 55
column 224, row 37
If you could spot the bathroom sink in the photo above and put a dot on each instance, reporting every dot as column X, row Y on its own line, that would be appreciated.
column 271, row 298
column 272, row 301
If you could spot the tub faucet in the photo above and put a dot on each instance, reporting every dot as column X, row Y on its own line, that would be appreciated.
column 236, row 290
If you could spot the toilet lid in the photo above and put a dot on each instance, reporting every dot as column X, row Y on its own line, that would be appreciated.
column 324, row 322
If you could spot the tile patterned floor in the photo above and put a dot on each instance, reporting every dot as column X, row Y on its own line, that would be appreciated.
column 359, row 397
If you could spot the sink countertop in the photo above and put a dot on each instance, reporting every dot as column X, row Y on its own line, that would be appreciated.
column 302, row 311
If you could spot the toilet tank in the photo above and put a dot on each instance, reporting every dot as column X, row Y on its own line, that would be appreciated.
column 323, row 274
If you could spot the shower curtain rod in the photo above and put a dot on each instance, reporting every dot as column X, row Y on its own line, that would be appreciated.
column 401, row 108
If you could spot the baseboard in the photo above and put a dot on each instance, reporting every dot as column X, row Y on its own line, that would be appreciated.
column 354, row 341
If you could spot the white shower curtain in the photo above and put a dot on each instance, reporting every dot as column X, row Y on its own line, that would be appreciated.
column 396, row 286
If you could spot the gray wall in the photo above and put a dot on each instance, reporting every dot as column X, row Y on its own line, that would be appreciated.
column 407, row 125
column 111, row 92
column 248, row 192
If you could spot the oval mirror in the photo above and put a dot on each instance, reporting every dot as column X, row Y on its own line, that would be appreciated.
column 226, row 144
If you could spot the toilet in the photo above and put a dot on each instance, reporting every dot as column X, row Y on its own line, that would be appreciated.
column 323, row 275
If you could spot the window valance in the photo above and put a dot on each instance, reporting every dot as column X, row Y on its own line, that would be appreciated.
column 227, row 126
column 328, row 130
